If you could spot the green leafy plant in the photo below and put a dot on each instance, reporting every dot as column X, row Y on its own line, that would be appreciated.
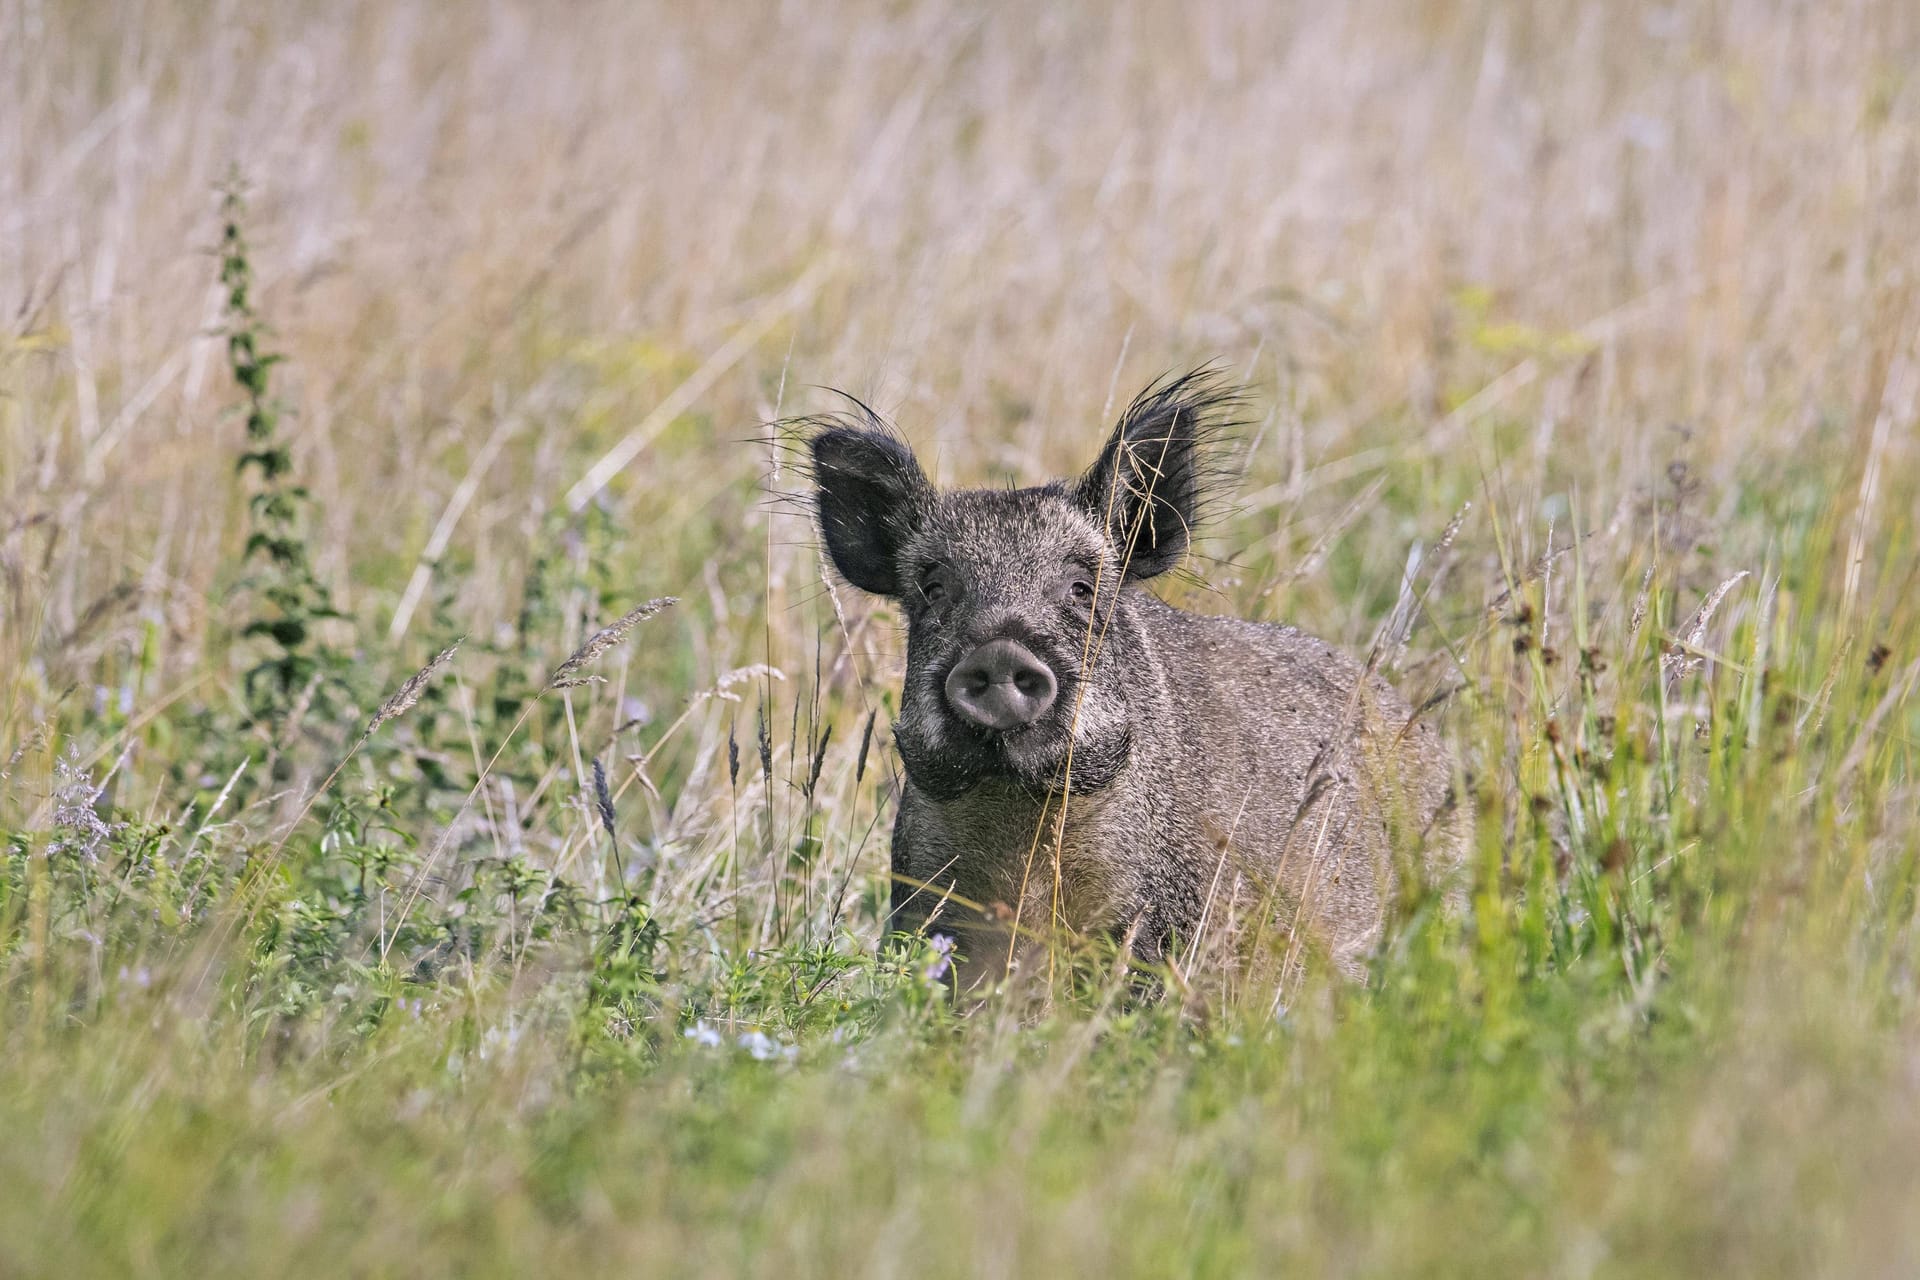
column 289, row 597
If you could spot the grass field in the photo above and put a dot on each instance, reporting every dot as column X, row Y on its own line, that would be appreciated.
column 1589, row 331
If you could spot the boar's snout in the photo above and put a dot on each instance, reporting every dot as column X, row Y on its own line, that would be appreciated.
column 1001, row 685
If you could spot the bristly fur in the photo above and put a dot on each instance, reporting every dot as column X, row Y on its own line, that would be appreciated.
column 1174, row 430
column 1162, row 471
column 791, row 439
column 1176, row 757
column 866, row 483
column 793, row 436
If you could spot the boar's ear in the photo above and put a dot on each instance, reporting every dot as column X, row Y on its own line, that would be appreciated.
column 1150, row 483
column 868, row 492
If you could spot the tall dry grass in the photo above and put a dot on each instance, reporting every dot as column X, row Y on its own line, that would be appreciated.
column 1634, row 285
column 498, row 228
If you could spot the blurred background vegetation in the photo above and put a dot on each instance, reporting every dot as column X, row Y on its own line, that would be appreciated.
column 346, row 344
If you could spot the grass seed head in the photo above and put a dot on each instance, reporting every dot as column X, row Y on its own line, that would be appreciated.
column 406, row 695
column 866, row 740
column 603, row 798
column 567, row 673
column 819, row 759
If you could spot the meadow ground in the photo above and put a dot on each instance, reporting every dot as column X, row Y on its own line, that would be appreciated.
column 548, row 975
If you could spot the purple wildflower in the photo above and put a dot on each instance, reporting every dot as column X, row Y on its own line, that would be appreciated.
column 942, row 961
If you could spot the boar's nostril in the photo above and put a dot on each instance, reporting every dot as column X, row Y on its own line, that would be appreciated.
column 1001, row 685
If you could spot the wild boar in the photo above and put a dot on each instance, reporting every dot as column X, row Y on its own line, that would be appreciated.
column 1080, row 754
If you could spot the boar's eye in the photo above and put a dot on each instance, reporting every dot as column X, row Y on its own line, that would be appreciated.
column 933, row 589
column 1076, row 581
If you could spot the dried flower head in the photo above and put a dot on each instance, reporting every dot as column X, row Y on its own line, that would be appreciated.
column 567, row 673
column 819, row 759
column 765, row 739
column 409, row 693
column 79, row 829
column 1683, row 656
column 603, row 798
column 866, row 740
column 725, row 687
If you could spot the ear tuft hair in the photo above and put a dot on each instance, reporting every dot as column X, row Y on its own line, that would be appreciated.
column 1152, row 480
column 868, row 493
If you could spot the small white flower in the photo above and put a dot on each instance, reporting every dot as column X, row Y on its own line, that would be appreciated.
column 764, row 1048
column 78, row 829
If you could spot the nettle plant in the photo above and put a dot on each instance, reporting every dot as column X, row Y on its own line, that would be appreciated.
column 290, row 598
